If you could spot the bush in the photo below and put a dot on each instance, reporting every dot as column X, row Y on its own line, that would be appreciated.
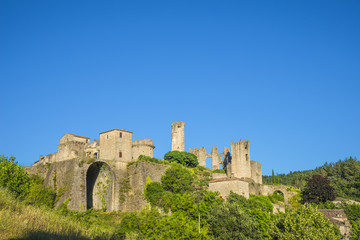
column 304, row 223
column 229, row 221
column 177, row 179
column 13, row 176
column 184, row 158
column 151, row 159
column 153, row 193
column 40, row 194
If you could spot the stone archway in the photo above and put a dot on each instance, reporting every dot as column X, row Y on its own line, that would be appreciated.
column 99, row 186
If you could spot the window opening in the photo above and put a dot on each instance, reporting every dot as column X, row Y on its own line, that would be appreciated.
column 120, row 154
column 120, row 135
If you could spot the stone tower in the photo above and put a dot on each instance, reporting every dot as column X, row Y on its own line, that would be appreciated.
column 178, row 138
column 240, row 163
column 116, row 144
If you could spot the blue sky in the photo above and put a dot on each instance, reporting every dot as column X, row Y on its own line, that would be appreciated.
column 283, row 74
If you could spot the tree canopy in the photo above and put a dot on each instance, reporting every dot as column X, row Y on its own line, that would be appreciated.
column 184, row 158
column 303, row 224
column 317, row 190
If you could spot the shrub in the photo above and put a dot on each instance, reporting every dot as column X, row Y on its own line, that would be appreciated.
column 13, row 176
column 152, row 159
column 304, row 223
column 229, row 221
column 177, row 179
column 153, row 193
column 184, row 158
column 40, row 194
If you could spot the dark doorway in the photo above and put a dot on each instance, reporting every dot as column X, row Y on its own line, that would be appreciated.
column 99, row 186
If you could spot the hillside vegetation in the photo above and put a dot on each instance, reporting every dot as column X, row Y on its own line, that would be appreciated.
column 344, row 176
column 180, row 207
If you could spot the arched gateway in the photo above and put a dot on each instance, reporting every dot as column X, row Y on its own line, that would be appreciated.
column 99, row 186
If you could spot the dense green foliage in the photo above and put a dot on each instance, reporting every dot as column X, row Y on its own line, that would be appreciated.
column 344, row 176
column 303, row 224
column 259, row 208
column 150, row 224
column 39, row 194
column 317, row 190
column 180, row 207
column 184, row 158
column 13, row 176
column 148, row 159
column 177, row 179
column 29, row 188
column 229, row 221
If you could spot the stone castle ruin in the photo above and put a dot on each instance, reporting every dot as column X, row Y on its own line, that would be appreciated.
column 103, row 174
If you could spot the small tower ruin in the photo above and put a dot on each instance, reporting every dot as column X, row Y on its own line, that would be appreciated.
column 178, row 137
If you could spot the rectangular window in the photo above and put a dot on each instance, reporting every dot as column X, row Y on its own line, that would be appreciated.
column 120, row 135
column 120, row 154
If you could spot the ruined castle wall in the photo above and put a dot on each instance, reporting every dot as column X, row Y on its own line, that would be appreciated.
column 200, row 154
column 71, row 137
column 216, row 158
column 142, row 147
column 70, row 150
column 256, row 171
column 178, row 137
column 64, row 175
column 138, row 172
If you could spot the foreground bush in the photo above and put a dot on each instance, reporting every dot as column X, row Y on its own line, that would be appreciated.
column 303, row 224
column 13, row 176
column 150, row 224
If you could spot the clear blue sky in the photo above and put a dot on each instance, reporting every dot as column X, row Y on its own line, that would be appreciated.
column 283, row 74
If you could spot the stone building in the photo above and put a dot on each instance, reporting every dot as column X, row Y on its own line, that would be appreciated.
column 115, row 144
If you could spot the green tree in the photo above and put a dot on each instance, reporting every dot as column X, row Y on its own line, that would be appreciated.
column 150, row 224
column 303, row 224
column 273, row 177
column 184, row 158
column 154, row 193
column 318, row 189
column 229, row 221
column 13, row 176
column 177, row 179
column 259, row 208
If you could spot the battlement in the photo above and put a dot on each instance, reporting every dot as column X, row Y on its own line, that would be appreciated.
column 144, row 142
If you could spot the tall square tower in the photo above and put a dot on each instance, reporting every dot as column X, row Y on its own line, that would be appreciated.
column 116, row 144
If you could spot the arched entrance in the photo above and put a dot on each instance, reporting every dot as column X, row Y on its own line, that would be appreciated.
column 277, row 196
column 99, row 186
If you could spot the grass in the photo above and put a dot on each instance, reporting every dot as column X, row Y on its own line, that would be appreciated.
column 21, row 221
